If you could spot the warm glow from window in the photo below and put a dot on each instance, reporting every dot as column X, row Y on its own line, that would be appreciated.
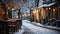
column 17, row 11
column 23, row 15
column 28, row 14
column 3, row 12
column 46, row 8
column 49, row 8
column 12, row 8
column 53, row 9
column 16, row 16
column 35, row 13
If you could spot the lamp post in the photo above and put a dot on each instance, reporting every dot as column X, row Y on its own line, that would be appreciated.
column 30, row 13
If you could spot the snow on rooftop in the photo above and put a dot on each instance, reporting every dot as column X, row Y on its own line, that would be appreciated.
column 46, row 5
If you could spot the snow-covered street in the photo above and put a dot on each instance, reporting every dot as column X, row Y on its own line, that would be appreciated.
column 32, row 29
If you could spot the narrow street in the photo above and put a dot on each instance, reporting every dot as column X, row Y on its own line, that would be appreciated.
column 32, row 29
column 29, row 16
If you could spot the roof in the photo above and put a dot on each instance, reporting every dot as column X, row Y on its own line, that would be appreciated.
column 47, row 5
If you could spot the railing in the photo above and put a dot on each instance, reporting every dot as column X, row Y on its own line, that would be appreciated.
column 4, row 27
column 9, row 26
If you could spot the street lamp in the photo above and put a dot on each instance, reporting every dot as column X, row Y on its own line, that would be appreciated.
column 12, row 8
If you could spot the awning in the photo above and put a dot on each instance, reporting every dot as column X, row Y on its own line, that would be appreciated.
column 47, row 5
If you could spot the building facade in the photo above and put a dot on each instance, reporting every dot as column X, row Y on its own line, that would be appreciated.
column 58, row 3
column 48, row 9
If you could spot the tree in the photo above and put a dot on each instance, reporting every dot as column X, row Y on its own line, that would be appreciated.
column 37, row 3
